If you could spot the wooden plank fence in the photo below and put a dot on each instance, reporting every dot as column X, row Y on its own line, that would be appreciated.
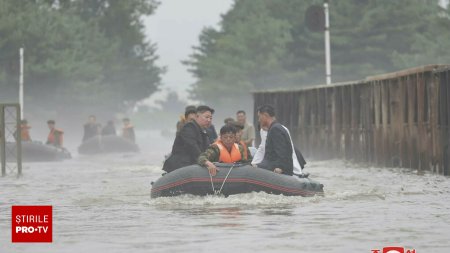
column 399, row 119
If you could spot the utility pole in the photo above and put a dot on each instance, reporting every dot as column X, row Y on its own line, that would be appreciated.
column 21, row 83
column 327, row 43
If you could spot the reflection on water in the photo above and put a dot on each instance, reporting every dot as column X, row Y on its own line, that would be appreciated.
column 102, row 204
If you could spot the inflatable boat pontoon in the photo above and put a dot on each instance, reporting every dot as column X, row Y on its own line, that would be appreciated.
column 107, row 144
column 196, row 180
column 34, row 151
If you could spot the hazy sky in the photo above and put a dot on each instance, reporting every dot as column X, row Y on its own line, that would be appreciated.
column 175, row 28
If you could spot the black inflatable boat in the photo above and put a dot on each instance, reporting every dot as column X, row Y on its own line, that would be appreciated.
column 34, row 151
column 196, row 180
column 107, row 144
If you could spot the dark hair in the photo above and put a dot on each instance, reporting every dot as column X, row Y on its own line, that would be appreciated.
column 228, row 129
column 50, row 121
column 228, row 120
column 238, row 126
column 269, row 109
column 24, row 121
column 189, row 107
column 126, row 119
column 204, row 108
column 240, row 111
column 189, row 111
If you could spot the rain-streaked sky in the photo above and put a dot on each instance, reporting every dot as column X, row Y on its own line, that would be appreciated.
column 175, row 28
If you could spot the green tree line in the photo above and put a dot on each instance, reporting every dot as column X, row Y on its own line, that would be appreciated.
column 264, row 44
column 78, row 52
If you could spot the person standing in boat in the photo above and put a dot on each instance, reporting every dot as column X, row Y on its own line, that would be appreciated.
column 259, row 155
column 128, row 130
column 91, row 128
column 224, row 150
column 189, row 115
column 55, row 137
column 278, row 156
column 212, row 134
column 248, row 133
column 191, row 141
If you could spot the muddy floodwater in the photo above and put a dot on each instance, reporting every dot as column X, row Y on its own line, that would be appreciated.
column 102, row 204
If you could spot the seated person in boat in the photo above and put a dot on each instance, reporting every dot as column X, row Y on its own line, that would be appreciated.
column 25, row 130
column 278, row 156
column 228, row 121
column 109, row 129
column 191, row 141
column 55, row 137
column 248, row 133
column 224, row 150
column 239, row 132
column 128, row 130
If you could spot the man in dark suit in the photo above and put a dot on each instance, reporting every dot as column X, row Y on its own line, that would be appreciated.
column 191, row 141
column 279, row 148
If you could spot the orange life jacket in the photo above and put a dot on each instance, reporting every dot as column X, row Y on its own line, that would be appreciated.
column 225, row 156
column 53, row 140
column 245, row 149
column 25, row 132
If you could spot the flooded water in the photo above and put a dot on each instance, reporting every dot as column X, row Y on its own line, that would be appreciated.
column 102, row 204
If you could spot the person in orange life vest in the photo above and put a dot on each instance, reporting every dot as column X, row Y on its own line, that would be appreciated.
column 25, row 130
column 55, row 137
column 224, row 150
column 128, row 130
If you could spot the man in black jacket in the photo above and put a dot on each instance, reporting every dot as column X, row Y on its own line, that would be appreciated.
column 191, row 141
column 278, row 154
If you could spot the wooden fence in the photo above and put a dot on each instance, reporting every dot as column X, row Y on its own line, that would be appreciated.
column 399, row 119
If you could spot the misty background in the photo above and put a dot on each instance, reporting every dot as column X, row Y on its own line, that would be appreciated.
column 148, row 59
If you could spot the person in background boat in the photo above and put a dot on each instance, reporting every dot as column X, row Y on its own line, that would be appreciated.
column 248, row 134
column 91, row 128
column 109, row 129
column 191, row 141
column 224, row 150
column 128, row 130
column 24, row 130
column 279, row 149
column 189, row 114
column 55, row 137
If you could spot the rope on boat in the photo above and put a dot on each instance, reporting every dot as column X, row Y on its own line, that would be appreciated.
column 223, row 183
column 212, row 184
